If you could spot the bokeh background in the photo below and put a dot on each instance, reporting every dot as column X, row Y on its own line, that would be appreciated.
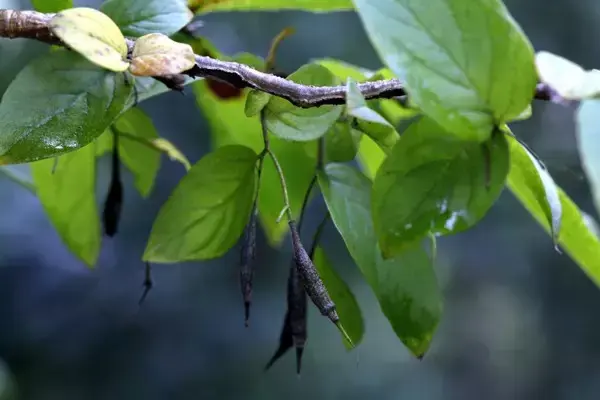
column 520, row 322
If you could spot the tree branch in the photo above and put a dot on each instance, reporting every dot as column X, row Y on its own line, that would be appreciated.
column 34, row 25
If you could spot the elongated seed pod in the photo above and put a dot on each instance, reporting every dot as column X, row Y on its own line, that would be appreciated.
column 296, row 299
column 114, row 200
column 293, row 332
column 310, row 277
column 247, row 257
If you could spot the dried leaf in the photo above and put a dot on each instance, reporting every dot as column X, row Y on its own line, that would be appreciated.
column 157, row 55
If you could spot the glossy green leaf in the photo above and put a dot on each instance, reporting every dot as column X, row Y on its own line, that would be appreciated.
column 140, row 17
column 229, row 125
column 588, row 142
column 135, row 128
column 208, row 210
column 51, row 6
column 568, row 79
column 316, row 6
column 69, row 199
column 341, row 142
column 575, row 237
column 540, row 184
column 434, row 182
column 303, row 124
column 367, row 119
column 466, row 64
column 406, row 286
column 70, row 102
column 345, row 303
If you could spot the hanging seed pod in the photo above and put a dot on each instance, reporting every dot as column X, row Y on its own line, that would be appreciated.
column 114, row 200
column 296, row 298
column 247, row 256
column 294, row 330
column 310, row 277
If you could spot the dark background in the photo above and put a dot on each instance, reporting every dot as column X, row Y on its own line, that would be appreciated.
column 520, row 321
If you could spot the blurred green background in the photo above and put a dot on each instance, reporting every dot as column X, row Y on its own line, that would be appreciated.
column 520, row 320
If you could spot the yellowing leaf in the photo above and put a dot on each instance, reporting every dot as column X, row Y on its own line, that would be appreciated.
column 155, row 55
column 92, row 34
column 172, row 152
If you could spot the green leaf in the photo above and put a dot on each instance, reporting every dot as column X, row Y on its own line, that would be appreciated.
column 568, row 79
column 406, row 285
column 466, row 64
column 315, row 6
column 68, row 197
column 255, row 102
column 370, row 156
column 341, row 142
column 51, row 6
column 229, row 125
column 135, row 128
column 208, row 210
column 367, row 119
column 345, row 303
column 539, row 183
column 575, row 237
column 140, row 17
column 434, row 182
column 588, row 142
column 344, row 70
column 289, row 122
column 69, row 102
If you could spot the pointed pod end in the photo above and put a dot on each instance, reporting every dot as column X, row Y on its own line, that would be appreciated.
column 420, row 356
column 247, row 313
column 344, row 333
column 299, row 352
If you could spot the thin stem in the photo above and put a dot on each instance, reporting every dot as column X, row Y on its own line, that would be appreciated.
column 318, row 233
column 305, row 201
column 284, row 189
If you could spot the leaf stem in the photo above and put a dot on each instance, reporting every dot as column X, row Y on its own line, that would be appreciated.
column 286, row 198
column 318, row 233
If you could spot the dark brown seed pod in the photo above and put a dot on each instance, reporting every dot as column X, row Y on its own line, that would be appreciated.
column 310, row 278
column 294, row 331
column 114, row 200
column 296, row 298
column 247, row 256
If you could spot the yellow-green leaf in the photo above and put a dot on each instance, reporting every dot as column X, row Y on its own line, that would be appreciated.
column 92, row 34
column 575, row 236
column 67, row 193
column 157, row 55
column 171, row 151
column 204, row 7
